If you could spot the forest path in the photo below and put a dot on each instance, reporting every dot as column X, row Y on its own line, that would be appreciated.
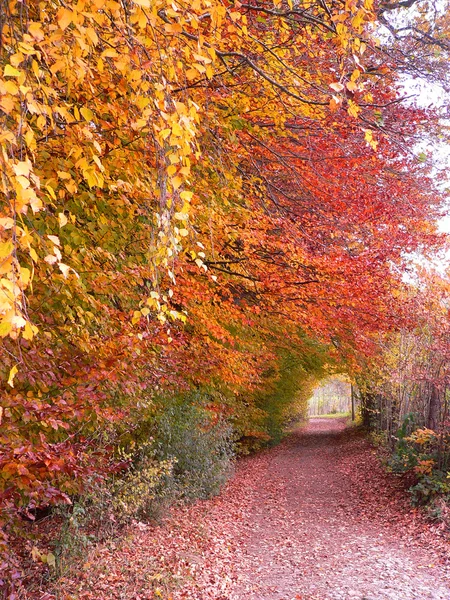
column 318, row 535
column 315, row 518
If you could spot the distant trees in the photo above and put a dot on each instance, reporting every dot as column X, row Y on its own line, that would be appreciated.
column 411, row 378
column 332, row 396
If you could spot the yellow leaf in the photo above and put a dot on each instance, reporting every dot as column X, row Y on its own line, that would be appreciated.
column 7, row 136
column 35, row 203
column 6, row 223
column 25, row 275
column 64, row 18
column 54, row 239
column 64, row 269
column 173, row 28
column 62, row 219
column 18, row 321
column 30, row 140
column 35, row 30
column 202, row 58
column 97, row 161
column 109, row 53
column 200, row 68
column 11, row 71
column 24, row 182
column 92, row 35
column 16, row 59
column 22, row 168
column 28, row 332
column 11, row 87
column 368, row 136
column 136, row 317
column 337, row 86
column 9, row 286
column 176, row 130
column 7, row 104
column 51, row 559
column 191, row 74
column 12, row 374
column 87, row 113
column 176, row 182
column 353, row 109
column 187, row 196
column 91, row 177
column 144, row 3
column 6, row 248
column 5, row 328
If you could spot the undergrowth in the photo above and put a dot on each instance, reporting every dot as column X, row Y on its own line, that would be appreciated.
column 423, row 456
column 181, row 454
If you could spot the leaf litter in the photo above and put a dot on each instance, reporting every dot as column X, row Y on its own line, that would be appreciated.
column 316, row 518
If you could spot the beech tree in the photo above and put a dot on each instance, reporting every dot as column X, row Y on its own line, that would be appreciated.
column 189, row 192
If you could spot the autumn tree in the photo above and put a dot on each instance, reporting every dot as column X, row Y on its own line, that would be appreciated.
column 193, row 196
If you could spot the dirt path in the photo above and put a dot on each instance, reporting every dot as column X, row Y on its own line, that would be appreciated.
column 314, row 519
column 313, row 540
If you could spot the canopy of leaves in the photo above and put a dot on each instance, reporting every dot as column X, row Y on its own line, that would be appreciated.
column 193, row 194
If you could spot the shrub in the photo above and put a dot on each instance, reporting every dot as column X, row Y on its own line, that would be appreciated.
column 429, row 487
column 181, row 451
column 199, row 445
column 418, row 451
column 405, row 455
column 145, row 488
column 106, row 505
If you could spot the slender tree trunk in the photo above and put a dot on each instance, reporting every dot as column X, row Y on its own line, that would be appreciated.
column 353, row 401
column 433, row 411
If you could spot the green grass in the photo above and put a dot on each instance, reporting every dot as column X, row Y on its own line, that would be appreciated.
column 331, row 416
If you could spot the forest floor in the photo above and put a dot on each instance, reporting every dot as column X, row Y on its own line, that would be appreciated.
column 315, row 518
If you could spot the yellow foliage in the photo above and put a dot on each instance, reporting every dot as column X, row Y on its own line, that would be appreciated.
column 119, row 113
column 422, row 436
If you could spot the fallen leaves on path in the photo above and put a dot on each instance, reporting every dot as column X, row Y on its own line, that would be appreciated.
column 269, row 535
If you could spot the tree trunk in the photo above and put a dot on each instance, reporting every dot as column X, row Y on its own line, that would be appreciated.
column 433, row 411
column 353, row 401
